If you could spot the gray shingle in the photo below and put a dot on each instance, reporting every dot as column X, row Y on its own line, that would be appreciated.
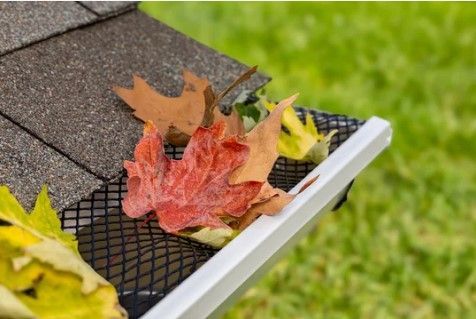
column 26, row 164
column 22, row 23
column 60, row 89
column 105, row 8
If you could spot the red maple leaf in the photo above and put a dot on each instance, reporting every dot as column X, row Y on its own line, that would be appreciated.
column 193, row 191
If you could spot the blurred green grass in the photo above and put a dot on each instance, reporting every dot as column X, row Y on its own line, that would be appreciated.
column 405, row 243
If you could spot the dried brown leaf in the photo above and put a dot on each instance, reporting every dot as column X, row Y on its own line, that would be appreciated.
column 177, row 118
column 272, row 206
column 263, row 144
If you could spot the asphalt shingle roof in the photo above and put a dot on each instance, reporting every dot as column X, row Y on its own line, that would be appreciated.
column 22, row 23
column 59, row 91
column 105, row 8
column 26, row 164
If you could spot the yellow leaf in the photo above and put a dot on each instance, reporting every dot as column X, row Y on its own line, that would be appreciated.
column 17, row 236
column 42, row 274
column 303, row 142
column 58, row 295
column 55, row 294
column 218, row 237
column 43, row 220
column 54, row 254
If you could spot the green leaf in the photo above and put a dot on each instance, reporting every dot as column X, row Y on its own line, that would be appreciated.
column 303, row 142
column 251, row 113
column 248, row 123
column 248, row 110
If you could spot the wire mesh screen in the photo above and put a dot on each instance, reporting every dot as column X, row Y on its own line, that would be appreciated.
column 139, row 259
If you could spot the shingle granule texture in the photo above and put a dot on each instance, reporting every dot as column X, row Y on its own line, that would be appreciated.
column 105, row 8
column 22, row 23
column 26, row 164
column 60, row 89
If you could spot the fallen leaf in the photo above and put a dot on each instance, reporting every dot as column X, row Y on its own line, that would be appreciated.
column 262, row 142
column 251, row 109
column 42, row 220
column 55, row 294
column 194, row 191
column 41, row 272
column 184, row 111
column 234, row 124
column 45, row 218
column 167, row 187
column 177, row 118
column 320, row 150
column 303, row 142
column 270, row 207
column 217, row 238
column 60, row 258
column 267, row 191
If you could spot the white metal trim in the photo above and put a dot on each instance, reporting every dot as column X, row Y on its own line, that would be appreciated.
column 219, row 278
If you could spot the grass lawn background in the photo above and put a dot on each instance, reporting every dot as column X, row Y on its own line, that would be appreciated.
column 405, row 243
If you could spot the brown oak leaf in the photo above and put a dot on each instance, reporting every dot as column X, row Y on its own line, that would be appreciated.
column 193, row 191
column 177, row 118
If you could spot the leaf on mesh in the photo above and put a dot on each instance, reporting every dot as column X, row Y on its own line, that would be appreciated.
column 193, row 191
column 177, row 118
column 303, row 142
column 220, row 182
column 40, row 264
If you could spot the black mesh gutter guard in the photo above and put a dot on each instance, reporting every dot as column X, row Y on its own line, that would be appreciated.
column 142, row 261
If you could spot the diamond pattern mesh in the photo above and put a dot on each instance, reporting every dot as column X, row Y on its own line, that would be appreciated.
column 142, row 261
